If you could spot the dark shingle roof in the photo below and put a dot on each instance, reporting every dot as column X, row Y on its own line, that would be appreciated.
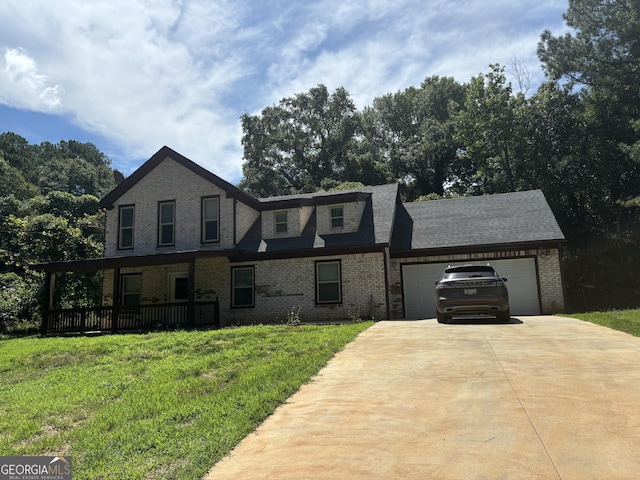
column 375, row 225
column 519, row 217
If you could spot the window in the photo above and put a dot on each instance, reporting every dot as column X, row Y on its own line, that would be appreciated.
column 242, row 294
column 281, row 222
column 125, row 229
column 210, row 219
column 337, row 217
column 131, row 289
column 328, row 288
column 166, row 223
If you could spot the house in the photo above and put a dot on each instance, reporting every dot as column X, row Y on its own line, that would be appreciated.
column 181, row 238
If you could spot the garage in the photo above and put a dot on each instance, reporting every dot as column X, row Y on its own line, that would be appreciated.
column 418, row 284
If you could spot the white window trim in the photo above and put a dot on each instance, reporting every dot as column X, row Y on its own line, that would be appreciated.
column 285, row 223
column 331, row 217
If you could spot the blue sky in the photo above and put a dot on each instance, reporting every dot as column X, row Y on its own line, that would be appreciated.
column 133, row 75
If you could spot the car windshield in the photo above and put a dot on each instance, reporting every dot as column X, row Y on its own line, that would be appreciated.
column 469, row 272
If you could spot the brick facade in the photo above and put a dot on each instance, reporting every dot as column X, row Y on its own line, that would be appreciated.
column 280, row 286
column 171, row 181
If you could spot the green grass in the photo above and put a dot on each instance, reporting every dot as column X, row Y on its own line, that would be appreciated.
column 161, row 405
column 624, row 320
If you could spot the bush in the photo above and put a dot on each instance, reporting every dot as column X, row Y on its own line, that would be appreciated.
column 18, row 301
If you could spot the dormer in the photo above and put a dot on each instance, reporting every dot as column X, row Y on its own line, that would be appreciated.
column 341, row 213
column 286, row 218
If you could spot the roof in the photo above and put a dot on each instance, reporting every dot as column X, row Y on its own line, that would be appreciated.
column 507, row 218
column 161, row 155
column 375, row 226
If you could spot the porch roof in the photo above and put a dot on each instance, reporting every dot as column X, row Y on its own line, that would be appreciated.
column 103, row 263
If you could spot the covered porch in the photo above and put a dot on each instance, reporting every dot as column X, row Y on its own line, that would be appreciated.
column 177, row 309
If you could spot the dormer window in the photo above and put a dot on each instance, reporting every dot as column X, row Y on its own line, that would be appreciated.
column 337, row 217
column 281, row 222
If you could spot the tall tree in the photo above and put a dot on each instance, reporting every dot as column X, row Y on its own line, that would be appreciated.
column 489, row 128
column 602, row 57
column 295, row 145
column 602, row 51
column 413, row 130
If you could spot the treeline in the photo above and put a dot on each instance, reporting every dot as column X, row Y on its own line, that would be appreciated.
column 49, row 211
column 577, row 138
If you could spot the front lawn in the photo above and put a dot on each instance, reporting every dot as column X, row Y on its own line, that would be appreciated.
column 624, row 320
column 159, row 405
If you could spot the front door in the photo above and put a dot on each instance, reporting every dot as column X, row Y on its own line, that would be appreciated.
column 178, row 295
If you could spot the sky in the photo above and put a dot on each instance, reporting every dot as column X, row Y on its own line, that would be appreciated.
column 131, row 76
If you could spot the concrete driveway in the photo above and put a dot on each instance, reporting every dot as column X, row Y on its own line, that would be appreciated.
column 539, row 398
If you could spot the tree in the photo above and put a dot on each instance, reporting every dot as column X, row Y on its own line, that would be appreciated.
column 19, row 154
column 413, row 131
column 489, row 129
column 12, row 182
column 602, row 51
column 295, row 145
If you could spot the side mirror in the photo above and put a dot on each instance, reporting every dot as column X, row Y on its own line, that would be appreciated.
column 504, row 279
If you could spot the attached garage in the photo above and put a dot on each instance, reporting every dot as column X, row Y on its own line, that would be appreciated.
column 418, row 285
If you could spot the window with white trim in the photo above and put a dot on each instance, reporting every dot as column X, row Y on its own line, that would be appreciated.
column 328, row 282
column 337, row 217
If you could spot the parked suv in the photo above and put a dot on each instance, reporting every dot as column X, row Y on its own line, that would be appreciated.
column 471, row 290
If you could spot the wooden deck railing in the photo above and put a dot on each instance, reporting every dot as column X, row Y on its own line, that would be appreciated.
column 139, row 317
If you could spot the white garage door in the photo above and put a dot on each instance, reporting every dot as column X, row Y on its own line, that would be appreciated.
column 418, row 283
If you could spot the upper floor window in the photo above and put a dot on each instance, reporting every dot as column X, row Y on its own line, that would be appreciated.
column 131, row 289
column 126, row 224
column 166, row 223
column 210, row 219
column 242, row 294
column 337, row 217
column 281, row 222
column 328, row 282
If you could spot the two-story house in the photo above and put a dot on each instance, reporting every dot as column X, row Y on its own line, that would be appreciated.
column 181, row 238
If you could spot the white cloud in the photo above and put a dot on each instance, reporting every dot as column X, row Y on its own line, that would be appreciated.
column 147, row 73
column 23, row 86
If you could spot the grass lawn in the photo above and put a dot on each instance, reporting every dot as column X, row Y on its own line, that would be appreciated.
column 161, row 405
column 624, row 320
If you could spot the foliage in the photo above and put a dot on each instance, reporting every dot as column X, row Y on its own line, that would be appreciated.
column 413, row 132
column 295, row 146
column 293, row 316
column 18, row 300
column 48, row 212
column 161, row 405
column 627, row 321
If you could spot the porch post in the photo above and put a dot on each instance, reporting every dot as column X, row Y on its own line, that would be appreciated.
column 191, row 307
column 47, row 303
column 115, row 312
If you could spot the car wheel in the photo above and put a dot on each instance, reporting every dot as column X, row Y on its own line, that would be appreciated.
column 505, row 316
column 442, row 318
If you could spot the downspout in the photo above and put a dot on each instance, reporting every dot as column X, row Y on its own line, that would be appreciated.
column 387, row 279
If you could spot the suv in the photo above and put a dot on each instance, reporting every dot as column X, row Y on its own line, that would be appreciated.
column 471, row 290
